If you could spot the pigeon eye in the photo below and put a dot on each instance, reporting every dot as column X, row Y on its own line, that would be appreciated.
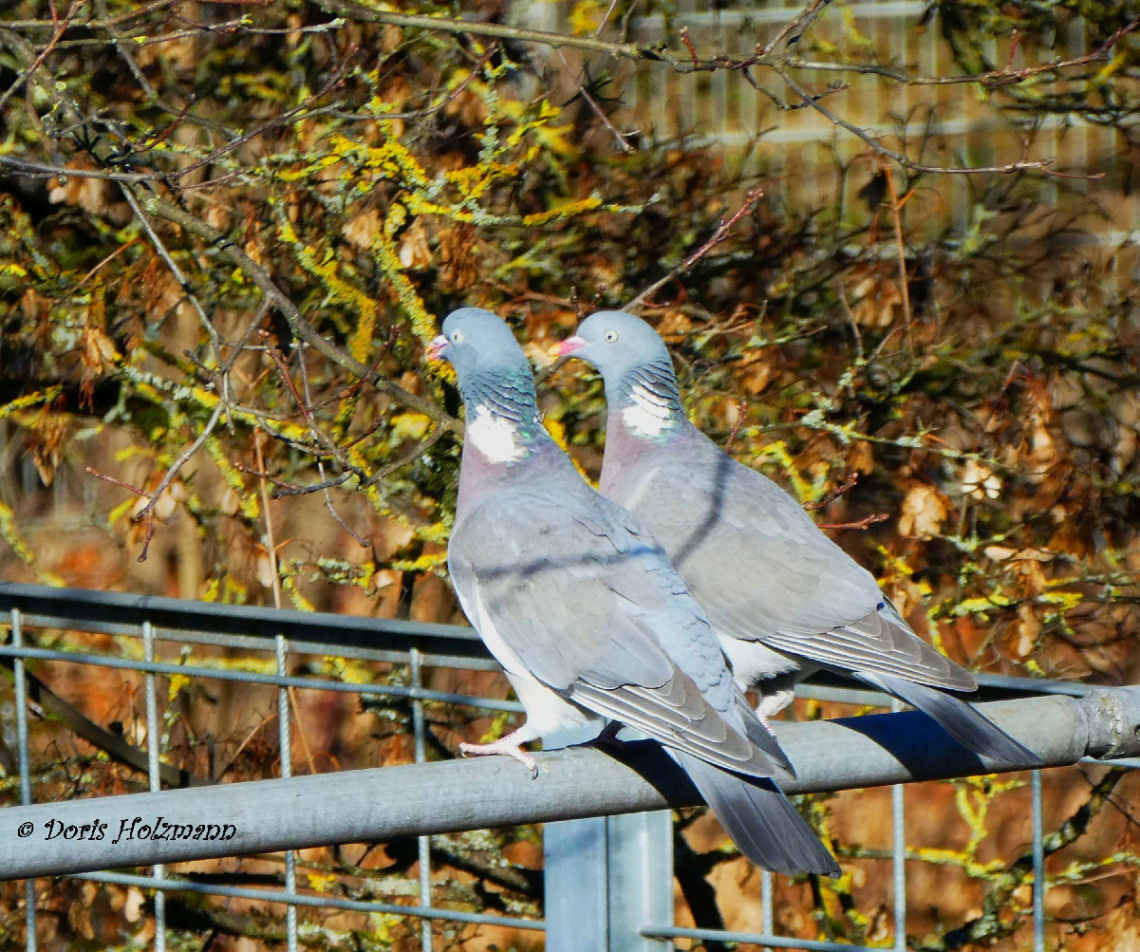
column 457, row 337
column 611, row 337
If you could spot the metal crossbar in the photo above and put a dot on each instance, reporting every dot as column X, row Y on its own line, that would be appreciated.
column 623, row 840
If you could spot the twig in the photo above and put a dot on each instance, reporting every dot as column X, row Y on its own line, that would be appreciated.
column 111, row 257
column 801, row 21
column 286, row 117
column 173, row 265
column 784, row 105
column 904, row 290
column 994, row 78
column 92, row 471
column 115, row 746
column 606, row 17
column 319, row 435
column 161, row 208
column 855, row 332
column 429, row 110
column 689, row 45
column 742, row 410
column 300, row 327
column 411, row 456
column 271, row 546
column 269, row 719
column 99, row 24
column 718, row 236
column 321, row 438
column 292, row 691
column 861, row 524
column 61, row 27
column 393, row 336
column 848, row 482
column 1022, row 166
column 363, row 543
column 597, row 110
column 288, row 489
column 124, row 51
column 355, row 11
column 182, row 460
column 39, row 170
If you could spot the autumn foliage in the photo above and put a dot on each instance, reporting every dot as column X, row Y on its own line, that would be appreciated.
column 227, row 231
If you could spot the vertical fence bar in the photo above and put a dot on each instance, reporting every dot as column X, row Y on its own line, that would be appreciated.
column 153, row 749
column 639, row 880
column 576, row 891
column 1039, row 884
column 286, row 756
column 25, row 768
column 424, row 841
column 898, row 823
column 767, row 904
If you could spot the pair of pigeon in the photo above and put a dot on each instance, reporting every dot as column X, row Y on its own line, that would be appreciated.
column 622, row 605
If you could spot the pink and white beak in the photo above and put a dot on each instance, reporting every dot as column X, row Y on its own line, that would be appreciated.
column 437, row 347
column 570, row 346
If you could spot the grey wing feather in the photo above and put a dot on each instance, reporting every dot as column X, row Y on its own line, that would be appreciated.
column 549, row 587
column 880, row 644
column 763, row 571
column 761, row 821
column 971, row 729
column 685, row 722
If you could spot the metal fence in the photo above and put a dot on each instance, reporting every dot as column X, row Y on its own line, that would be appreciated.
column 607, row 880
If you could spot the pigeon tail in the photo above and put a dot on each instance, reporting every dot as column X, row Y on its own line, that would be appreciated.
column 762, row 822
column 959, row 719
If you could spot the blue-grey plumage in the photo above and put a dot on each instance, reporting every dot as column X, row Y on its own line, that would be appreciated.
column 782, row 597
column 584, row 611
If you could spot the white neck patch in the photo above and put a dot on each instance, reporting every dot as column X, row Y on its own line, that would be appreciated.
column 495, row 437
column 647, row 415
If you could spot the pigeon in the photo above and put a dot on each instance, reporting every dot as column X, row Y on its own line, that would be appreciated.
column 590, row 621
column 783, row 598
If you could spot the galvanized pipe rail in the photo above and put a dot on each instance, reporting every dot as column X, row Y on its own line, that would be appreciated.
column 626, row 858
column 419, row 799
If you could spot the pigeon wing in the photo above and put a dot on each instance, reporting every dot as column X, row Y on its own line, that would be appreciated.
column 560, row 592
column 763, row 571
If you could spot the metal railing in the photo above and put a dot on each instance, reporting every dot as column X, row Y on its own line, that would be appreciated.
column 281, row 633
column 610, row 875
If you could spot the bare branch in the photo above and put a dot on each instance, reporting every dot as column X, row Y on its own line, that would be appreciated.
column 355, row 11
column 302, row 328
column 813, row 101
column 182, row 460
column 174, row 269
column 597, row 110
column 718, row 236
column 797, row 25
column 864, row 523
column 60, row 28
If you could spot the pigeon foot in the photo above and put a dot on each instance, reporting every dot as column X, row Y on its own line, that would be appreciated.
column 508, row 746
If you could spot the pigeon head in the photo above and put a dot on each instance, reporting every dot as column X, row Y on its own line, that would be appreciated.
column 495, row 382
column 636, row 368
column 615, row 343
column 478, row 343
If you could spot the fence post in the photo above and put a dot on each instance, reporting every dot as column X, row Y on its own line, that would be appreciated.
column 607, row 878
column 640, row 879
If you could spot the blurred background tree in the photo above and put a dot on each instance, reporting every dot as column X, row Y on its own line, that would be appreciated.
column 892, row 248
